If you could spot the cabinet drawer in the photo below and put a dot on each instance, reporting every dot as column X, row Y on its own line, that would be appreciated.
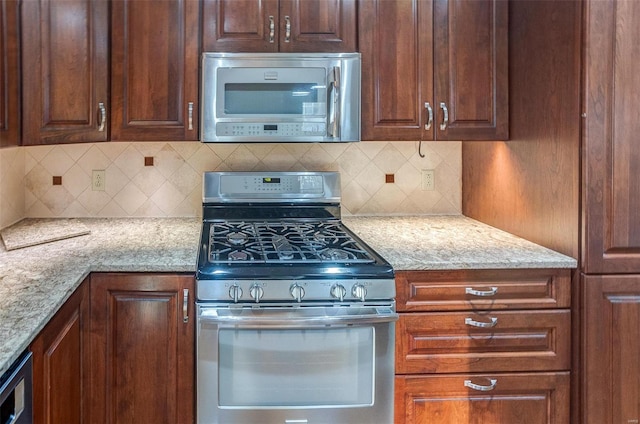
column 526, row 398
column 483, row 289
column 448, row 342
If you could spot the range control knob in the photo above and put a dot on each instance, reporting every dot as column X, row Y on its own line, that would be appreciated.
column 297, row 292
column 359, row 291
column 256, row 292
column 235, row 292
column 338, row 291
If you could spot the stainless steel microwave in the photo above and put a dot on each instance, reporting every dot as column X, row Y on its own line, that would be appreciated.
column 280, row 97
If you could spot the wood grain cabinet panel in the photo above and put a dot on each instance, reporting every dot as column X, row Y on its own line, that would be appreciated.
column 64, row 71
column 434, row 70
column 483, row 289
column 523, row 398
column 610, row 384
column 444, row 342
column 61, row 364
column 9, row 73
column 142, row 350
column 154, row 65
column 279, row 25
column 611, row 195
column 485, row 346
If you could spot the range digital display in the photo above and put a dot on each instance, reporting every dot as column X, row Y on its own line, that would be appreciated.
column 269, row 180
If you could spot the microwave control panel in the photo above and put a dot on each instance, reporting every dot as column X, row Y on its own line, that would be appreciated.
column 288, row 129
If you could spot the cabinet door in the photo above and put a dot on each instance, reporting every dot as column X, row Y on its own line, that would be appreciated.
column 611, row 197
column 471, row 69
column 610, row 379
column 64, row 71
column 318, row 26
column 240, row 25
column 395, row 39
column 9, row 74
column 142, row 349
column 60, row 364
column 527, row 398
column 154, row 64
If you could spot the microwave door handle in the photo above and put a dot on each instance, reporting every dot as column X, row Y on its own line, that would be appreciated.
column 334, row 104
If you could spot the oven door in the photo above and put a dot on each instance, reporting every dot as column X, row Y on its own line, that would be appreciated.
column 298, row 364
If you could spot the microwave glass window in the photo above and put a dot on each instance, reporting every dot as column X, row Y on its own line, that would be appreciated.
column 273, row 99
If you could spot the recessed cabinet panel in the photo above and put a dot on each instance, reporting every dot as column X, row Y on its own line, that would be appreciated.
column 142, row 350
column 483, row 289
column 612, row 107
column 540, row 398
column 9, row 74
column 434, row 70
column 482, row 341
column 154, row 63
column 610, row 349
column 279, row 26
column 64, row 71
column 471, row 69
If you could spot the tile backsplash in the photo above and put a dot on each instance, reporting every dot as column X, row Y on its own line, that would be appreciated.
column 172, row 185
column 11, row 185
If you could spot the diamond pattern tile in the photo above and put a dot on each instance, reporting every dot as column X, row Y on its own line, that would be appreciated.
column 172, row 187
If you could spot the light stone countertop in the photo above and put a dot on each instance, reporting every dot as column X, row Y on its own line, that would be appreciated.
column 36, row 281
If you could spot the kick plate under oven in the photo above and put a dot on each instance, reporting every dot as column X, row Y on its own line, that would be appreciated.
column 295, row 364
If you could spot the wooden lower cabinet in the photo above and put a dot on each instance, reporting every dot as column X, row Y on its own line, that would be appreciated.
column 60, row 364
column 483, row 346
column 522, row 398
column 142, row 348
column 610, row 349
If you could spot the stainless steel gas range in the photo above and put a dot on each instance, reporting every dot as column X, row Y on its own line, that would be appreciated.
column 296, row 314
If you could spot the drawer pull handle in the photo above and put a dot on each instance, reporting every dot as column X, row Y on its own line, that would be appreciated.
column 474, row 323
column 479, row 387
column 481, row 293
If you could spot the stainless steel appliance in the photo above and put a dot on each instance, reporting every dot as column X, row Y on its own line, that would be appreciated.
column 15, row 392
column 295, row 314
column 290, row 97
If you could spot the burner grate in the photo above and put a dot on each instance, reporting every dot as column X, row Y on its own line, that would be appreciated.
column 283, row 242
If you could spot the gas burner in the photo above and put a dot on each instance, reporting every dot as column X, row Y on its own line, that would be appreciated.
column 333, row 254
column 237, row 238
column 239, row 255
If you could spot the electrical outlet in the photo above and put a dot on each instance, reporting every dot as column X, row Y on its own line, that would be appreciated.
column 98, row 180
column 428, row 180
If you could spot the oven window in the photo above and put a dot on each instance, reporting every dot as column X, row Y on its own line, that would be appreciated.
column 273, row 99
column 296, row 367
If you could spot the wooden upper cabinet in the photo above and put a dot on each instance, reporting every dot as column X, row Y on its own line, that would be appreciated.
column 64, row 71
column 154, row 70
column 9, row 74
column 434, row 70
column 279, row 25
column 611, row 198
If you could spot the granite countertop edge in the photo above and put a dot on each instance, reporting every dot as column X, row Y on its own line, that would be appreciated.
column 33, row 290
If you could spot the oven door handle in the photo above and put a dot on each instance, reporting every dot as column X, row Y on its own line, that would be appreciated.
column 246, row 320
